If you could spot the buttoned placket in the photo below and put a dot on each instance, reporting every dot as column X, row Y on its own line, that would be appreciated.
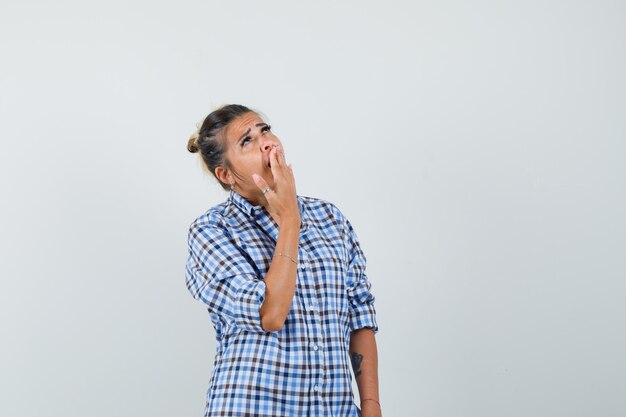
column 308, row 299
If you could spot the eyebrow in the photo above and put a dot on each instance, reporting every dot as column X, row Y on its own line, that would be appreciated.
column 248, row 131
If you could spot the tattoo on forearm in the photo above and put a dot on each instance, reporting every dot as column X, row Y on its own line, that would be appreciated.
column 356, row 358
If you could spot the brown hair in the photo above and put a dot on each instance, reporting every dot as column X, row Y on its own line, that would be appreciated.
column 210, row 139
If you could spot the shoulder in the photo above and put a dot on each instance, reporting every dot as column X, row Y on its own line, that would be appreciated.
column 213, row 218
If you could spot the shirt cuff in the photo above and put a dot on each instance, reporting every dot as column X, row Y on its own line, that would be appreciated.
column 362, row 308
column 250, row 297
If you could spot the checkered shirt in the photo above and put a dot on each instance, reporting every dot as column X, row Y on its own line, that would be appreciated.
column 304, row 368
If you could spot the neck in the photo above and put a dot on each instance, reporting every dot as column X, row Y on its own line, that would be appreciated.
column 258, row 200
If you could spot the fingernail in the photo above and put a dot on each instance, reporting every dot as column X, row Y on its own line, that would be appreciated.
column 255, row 177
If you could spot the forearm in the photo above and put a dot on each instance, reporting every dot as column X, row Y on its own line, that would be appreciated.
column 280, row 280
column 364, row 357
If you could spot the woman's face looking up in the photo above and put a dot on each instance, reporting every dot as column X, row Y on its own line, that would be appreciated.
column 249, row 142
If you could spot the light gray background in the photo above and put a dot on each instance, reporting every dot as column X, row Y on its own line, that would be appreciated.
column 477, row 147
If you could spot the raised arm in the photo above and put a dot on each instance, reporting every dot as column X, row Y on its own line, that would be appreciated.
column 280, row 279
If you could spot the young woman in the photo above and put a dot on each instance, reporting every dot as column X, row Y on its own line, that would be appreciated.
column 283, row 278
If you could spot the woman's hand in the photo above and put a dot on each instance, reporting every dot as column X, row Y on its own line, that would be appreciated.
column 283, row 199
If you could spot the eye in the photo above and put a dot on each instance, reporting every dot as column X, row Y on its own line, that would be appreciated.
column 264, row 129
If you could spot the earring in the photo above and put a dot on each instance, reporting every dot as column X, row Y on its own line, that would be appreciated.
column 232, row 187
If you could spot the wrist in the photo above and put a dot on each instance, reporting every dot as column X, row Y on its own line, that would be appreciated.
column 370, row 402
column 291, row 220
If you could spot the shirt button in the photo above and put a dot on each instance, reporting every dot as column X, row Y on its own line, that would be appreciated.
column 315, row 347
column 316, row 387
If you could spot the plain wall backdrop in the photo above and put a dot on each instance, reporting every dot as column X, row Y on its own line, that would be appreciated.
column 477, row 148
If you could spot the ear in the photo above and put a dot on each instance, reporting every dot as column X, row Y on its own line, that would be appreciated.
column 223, row 175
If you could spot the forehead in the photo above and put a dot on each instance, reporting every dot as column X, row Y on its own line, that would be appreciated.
column 240, row 124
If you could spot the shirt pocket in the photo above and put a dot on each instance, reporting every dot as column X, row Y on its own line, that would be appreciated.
column 328, row 273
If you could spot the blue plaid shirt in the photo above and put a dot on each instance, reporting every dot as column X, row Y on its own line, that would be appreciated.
column 304, row 368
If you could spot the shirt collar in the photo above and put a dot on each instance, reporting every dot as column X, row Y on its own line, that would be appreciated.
column 251, row 210
column 248, row 208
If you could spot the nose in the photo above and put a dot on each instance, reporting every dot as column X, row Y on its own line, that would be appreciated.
column 267, row 145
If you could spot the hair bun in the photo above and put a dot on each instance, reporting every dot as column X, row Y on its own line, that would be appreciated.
column 192, row 143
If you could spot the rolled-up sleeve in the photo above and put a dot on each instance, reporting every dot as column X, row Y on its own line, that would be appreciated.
column 220, row 275
column 361, row 300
